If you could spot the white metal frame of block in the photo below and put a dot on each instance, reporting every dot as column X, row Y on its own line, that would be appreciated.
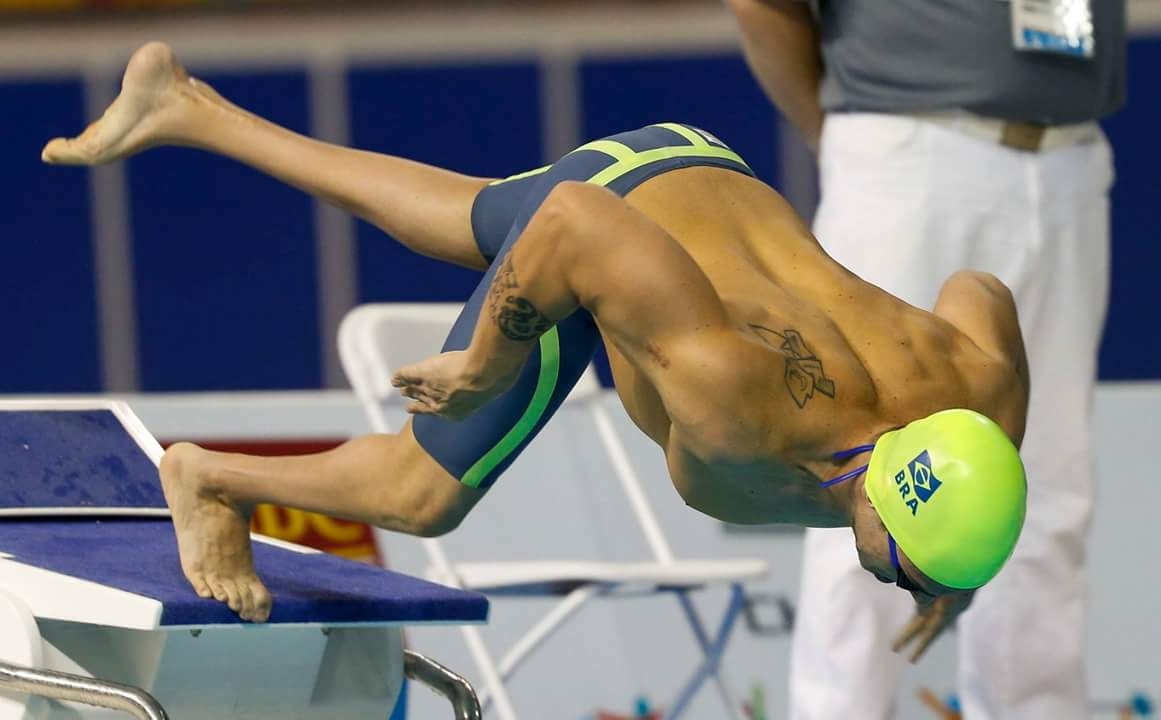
column 79, row 641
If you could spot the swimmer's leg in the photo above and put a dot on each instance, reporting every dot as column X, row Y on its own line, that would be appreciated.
column 388, row 480
column 426, row 208
column 385, row 480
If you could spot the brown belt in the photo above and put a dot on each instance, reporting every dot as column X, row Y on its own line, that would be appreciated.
column 1022, row 136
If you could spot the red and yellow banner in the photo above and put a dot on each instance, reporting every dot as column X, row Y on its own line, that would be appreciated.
column 339, row 537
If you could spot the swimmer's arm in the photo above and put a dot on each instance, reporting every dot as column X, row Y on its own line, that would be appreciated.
column 781, row 45
column 979, row 305
column 588, row 248
column 532, row 289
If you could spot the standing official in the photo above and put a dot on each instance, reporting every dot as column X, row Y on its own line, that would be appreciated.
column 961, row 134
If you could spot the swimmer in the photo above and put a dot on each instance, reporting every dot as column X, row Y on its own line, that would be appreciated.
column 780, row 386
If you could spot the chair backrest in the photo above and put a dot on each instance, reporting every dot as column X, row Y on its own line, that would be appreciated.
column 376, row 339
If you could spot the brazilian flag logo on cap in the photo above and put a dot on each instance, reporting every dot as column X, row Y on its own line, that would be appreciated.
column 923, row 477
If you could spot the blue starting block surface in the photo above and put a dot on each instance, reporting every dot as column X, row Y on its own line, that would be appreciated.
column 75, row 483
column 140, row 556
column 73, row 461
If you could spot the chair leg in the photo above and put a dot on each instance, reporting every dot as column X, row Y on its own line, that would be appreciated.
column 712, row 654
column 544, row 629
column 487, row 666
column 736, row 607
column 540, row 632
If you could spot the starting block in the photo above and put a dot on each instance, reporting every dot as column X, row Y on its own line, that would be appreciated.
column 96, row 617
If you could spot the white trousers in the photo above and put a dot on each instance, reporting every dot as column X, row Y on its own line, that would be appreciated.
column 905, row 203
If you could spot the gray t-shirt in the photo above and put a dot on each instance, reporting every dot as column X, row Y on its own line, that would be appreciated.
column 897, row 56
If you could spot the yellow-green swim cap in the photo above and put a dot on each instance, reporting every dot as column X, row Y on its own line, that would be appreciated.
column 950, row 489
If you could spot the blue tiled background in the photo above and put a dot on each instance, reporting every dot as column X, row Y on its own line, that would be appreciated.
column 224, row 260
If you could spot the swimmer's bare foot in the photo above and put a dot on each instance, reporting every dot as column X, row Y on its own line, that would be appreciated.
column 153, row 108
column 213, row 535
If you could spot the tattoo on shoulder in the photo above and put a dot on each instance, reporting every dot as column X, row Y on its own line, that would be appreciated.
column 517, row 318
column 804, row 372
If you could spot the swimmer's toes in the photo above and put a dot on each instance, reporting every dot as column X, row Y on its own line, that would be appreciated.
column 63, row 151
column 260, row 610
column 245, row 600
column 218, row 590
column 200, row 586
column 233, row 595
column 141, row 116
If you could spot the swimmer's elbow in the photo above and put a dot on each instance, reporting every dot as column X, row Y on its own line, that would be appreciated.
column 993, row 285
column 743, row 9
column 572, row 205
column 567, row 214
column 755, row 11
column 562, row 201
column 998, row 290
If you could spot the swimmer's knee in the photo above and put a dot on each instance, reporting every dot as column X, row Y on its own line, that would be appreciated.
column 437, row 502
column 424, row 506
column 434, row 511
column 403, row 487
column 438, row 520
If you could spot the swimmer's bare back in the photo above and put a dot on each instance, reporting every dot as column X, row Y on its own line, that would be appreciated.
column 844, row 361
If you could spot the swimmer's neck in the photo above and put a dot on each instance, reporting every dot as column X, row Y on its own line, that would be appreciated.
column 846, row 494
column 835, row 506
column 830, row 506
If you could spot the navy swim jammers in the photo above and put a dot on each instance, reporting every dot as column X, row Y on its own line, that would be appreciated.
column 478, row 449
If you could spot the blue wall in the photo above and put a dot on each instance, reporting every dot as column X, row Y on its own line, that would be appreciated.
column 483, row 120
column 47, row 288
column 224, row 259
column 1132, row 342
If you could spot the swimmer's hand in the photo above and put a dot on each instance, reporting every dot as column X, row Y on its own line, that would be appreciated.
column 452, row 384
column 932, row 617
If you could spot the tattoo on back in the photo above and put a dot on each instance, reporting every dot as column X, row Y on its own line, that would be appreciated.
column 517, row 318
column 804, row 373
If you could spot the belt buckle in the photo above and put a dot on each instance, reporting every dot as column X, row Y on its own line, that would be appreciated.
column 1022, row 136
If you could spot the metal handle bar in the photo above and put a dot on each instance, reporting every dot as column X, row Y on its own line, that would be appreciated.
column 63, row 686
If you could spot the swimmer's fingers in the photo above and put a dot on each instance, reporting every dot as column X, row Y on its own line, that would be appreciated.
column 413, row 392
column 931, row 619
column 406, row 378
column 422, row 378
column 441, row 385
column 909, row 632
column 422, row 407
column 931, row 630
column 427, row 401
column 413, row 388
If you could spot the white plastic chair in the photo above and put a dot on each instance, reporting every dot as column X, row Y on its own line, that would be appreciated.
column 376, row 339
